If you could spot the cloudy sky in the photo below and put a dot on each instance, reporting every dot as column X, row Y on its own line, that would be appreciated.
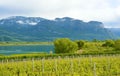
column 107, row 11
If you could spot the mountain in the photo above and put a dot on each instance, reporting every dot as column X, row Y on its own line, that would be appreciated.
column 115, row 31
column 39, row 29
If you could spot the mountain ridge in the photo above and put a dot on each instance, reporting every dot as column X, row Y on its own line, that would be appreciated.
column 41, row 29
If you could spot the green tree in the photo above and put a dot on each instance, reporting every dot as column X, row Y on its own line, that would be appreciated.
column 65, row 45
column 117, row 45
column 108, row 43
column 80, row 43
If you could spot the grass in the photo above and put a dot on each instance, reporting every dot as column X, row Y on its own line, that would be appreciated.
column 24, row 43
column 67, row 66
column 96, row 47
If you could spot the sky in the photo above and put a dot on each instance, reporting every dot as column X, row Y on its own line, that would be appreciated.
column 106, row 11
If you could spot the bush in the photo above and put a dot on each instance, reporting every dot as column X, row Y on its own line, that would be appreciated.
column 80, row 44
column 108, row 43
column 65, row 45
column 117, row 45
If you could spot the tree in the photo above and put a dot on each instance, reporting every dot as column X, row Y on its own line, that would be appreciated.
column 65, row 45
column 80, row 44
column 108, row 43
column 117, row 45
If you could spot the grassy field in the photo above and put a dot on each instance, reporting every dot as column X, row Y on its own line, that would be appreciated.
column 24, row 43
column 96, row 47
column 67, row 66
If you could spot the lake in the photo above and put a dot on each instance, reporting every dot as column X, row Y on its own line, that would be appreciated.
column 25, row 49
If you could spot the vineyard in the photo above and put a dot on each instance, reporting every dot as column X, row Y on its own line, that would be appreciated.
column 58, row 66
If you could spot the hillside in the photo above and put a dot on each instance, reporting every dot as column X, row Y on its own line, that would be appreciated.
column 39, row 29
column 115, row 31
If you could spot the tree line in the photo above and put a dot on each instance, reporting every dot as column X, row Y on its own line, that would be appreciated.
column 65, row 45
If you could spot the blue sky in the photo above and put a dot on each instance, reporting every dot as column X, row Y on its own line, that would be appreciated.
column 107, row 11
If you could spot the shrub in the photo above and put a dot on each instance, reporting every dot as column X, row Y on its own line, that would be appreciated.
column 65, row 45
column 117, row 45
column 108, row 43
column 80, row 44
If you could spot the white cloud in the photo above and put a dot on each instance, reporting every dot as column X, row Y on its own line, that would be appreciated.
column 102, row 10
column 118, row 10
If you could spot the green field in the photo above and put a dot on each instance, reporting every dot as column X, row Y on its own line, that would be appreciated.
column 67, row 66
column 24, row 43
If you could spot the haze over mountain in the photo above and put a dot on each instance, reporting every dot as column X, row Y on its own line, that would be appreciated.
column 19, row 28
column 115, row 31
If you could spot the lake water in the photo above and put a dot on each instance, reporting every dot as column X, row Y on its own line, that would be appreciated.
column 25, row 49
